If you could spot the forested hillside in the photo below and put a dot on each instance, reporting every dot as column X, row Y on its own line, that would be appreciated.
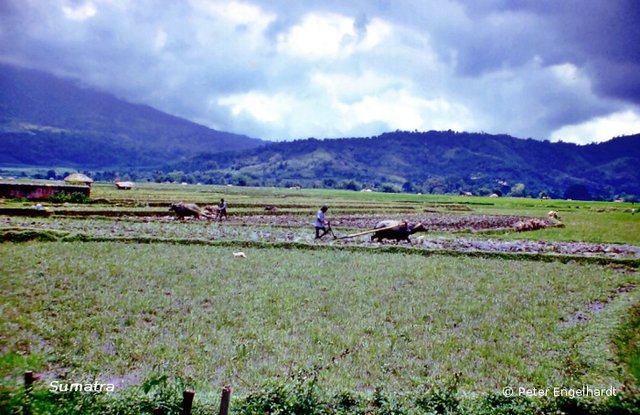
column 430, row 162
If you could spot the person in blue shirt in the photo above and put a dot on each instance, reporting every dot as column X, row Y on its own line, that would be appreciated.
column 321, row 222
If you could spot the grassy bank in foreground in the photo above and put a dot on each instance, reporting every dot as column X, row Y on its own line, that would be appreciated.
column 303, row 396
column 121, row 312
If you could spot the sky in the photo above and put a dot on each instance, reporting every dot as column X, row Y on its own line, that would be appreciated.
column 287, row 69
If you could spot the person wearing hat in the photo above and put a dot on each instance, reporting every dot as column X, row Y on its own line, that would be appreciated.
column 321, row 222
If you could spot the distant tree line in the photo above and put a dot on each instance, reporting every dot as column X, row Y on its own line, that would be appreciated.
column 437, row 184
column 445, row 162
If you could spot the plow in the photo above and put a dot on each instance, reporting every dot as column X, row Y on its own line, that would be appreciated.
column 353, row 235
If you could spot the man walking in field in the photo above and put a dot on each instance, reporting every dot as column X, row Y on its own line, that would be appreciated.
column 222, row 210
column 321, row 222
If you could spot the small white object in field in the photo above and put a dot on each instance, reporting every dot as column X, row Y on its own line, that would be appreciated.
column 239, row 255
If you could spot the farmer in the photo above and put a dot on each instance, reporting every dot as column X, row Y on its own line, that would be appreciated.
column 222, row 210
column 321, row 222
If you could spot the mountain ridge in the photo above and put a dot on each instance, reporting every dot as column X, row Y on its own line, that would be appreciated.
column 66, row 123
column 47, row 121
column 431, row 162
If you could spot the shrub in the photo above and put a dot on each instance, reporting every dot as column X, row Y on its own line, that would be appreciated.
column 75, row 197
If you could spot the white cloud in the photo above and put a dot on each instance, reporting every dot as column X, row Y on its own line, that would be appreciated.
column 160, row 39
column 348, row 86
column 224, row 31
column 572, row 77
column 399, row 109
column 600, row 128
column 345, row 104
column 377, row 31
column 567, row 73
column 331, row 35
column 318, row 36
column 80, row 13
column 235, row 12
column 262, row 107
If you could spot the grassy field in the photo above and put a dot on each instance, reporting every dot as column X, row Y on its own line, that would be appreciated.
column 134, row 299
column 117, row 310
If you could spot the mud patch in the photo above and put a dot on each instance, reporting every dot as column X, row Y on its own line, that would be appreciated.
column 533, row 247
column 583, row 316
column 435, row 222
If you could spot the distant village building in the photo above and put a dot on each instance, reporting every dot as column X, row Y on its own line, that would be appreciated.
column 124, row 185
column 78, row 178
column 37, row 191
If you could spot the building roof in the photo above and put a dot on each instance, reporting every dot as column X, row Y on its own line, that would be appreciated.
column 78, row 178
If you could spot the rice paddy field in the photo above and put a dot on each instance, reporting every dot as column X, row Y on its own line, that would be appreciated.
column 492, row 306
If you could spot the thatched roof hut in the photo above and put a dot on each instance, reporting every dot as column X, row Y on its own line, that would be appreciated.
column 78, row 178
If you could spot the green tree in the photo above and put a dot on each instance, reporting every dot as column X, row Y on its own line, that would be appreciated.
column 517, row 190
column 329, row 182
column 176, row 176
column 350, row 185
column 408, row 187
column 389, row 188
column 577, row 192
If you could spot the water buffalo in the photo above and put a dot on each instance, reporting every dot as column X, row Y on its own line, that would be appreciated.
column 186, row 209
column 400, row 231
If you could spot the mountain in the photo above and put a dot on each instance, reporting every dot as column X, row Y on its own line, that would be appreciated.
column 433, row 162
column 49, row 121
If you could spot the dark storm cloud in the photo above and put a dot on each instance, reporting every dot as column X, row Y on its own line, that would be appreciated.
column 602, row 36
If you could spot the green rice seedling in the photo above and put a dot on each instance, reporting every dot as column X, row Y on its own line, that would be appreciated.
column 368, row 319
